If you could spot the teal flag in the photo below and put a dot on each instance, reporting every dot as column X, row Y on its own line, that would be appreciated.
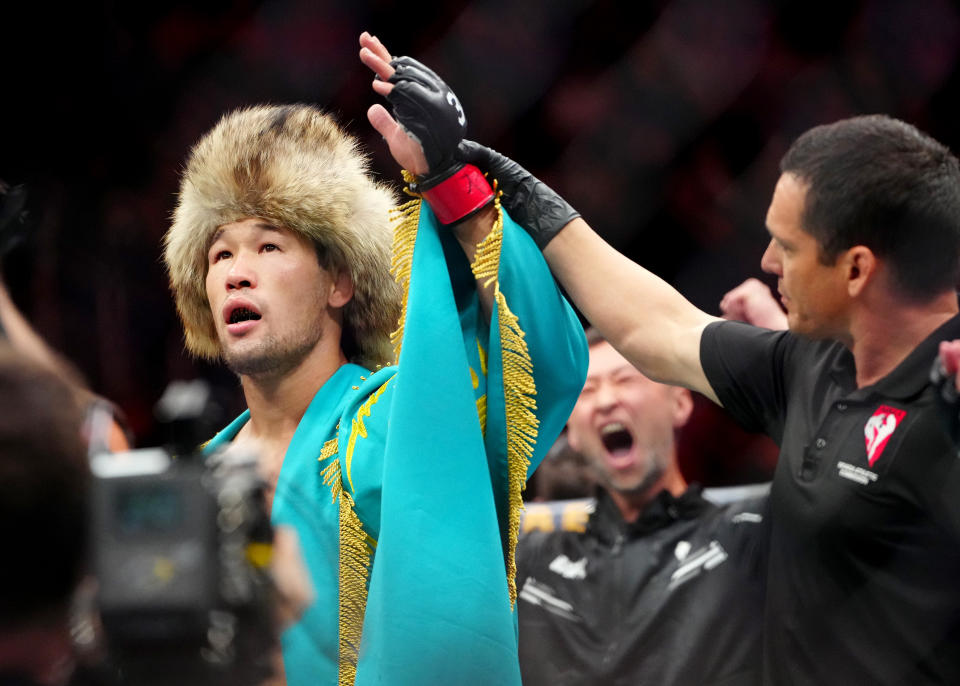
column 439, row 607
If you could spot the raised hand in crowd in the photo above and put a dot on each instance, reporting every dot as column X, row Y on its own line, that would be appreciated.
column 753, row 303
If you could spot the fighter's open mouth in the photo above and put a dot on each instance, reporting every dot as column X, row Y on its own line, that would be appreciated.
column 242, row 314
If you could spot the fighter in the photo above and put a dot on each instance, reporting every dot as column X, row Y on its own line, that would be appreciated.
column 403, row 482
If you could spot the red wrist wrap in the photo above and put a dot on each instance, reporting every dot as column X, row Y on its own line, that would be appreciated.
column 460, row 195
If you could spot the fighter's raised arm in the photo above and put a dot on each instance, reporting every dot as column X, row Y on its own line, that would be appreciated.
column 405, row 150
column 513, row 375
column 644, row 317
column 428, row 151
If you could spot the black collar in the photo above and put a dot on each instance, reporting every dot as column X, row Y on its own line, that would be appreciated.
column 908, row 378
column 606, row 522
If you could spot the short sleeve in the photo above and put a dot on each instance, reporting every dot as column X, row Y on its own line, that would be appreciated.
column 748, row 369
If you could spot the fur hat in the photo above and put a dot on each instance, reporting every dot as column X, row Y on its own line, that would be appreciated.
column 293, row 167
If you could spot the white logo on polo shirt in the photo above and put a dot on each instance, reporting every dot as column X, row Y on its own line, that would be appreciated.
column 854, row 473
column 878, row 430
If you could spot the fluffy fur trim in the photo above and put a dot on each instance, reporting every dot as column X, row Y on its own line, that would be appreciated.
column 293, row 167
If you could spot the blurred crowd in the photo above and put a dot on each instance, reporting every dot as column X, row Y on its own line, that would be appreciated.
column 660, row 121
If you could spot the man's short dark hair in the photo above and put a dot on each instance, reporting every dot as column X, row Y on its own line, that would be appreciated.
column 879, row 182
column 44, row 490
column 594, row 337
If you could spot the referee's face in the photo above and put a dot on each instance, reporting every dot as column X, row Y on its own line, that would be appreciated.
column 623, row 423
column 814, row 294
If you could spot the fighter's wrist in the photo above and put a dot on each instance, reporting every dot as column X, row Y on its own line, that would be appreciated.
column 456, row 196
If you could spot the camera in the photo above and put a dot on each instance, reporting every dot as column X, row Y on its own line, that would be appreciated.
column 180, row 547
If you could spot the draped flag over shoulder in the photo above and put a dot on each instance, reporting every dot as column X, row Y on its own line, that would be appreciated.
column 441, row 597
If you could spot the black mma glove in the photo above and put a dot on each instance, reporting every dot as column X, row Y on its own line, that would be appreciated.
column 531, row 203
column 431, row 114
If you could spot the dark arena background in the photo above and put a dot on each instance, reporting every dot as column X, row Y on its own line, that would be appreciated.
column 662, row 122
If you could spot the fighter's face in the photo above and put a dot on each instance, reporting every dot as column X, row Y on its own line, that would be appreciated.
column 624, row 423
column 813, row 294
column 271, row 300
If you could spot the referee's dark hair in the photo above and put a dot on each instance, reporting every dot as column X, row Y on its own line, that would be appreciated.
column 44, row 491
column 879, row 182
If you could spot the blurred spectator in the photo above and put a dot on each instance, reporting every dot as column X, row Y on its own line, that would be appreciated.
column 105, row 427
column 44, row 487
column 662, row 585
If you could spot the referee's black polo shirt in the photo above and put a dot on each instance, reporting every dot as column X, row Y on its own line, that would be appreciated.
column 864, row 576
